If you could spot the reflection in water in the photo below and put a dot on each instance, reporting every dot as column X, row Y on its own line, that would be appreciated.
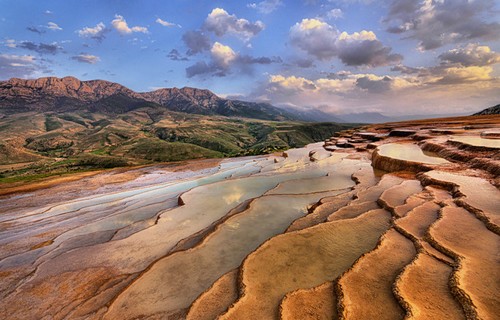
column 409, row 152
column 146, row 222
column 477, row 141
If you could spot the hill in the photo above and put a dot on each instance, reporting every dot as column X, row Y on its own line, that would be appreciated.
column 490, row 110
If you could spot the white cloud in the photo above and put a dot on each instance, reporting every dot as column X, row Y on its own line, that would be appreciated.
column 120, row 25
column 222, row 55
column 323, row 41
column 431, row 90
column 440, row 22
column 220, row 22
column 224, row 61
column 266, row 6
column 53, row 26
column 290, row 83
column 335, row 14
column 348, row 82
column 471, row 55
column 315, row 37
column 166, row 23
column 97, row 32
column 358, row 36
column 364, row 49
column 16, row 60
column 86, row 58
column 11, row 43
column 460, row 75
column 17, row 66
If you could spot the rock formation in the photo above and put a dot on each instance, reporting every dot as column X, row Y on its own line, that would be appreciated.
column 314, row 234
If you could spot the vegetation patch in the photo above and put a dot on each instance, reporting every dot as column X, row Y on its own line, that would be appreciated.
column 157, row 150
column 51, row 123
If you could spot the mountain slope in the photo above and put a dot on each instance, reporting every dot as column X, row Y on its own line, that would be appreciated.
column 490, row 110
column 70, row 94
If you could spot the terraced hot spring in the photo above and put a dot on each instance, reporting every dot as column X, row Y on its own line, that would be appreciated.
column 477, row 141
column 409, row 152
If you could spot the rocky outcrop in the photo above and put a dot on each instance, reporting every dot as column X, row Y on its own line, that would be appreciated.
column 57, row 94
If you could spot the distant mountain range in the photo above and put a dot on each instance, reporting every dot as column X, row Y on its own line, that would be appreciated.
column 314, row 115
column 70, row 94
column 490, row 110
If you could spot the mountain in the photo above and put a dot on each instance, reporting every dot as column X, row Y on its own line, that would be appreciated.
column 490, row 110
column 313, row 115
column 364, row 117
column 68, row 94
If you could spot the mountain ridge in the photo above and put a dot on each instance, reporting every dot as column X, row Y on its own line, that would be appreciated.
column 488, row 111
column 71, row 94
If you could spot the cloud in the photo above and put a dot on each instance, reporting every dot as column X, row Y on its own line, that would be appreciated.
column 266, row 6
column 17, row 66
column 304, row 63
column 374, row 83
column 53, row 26
column 342, row 84
column 245, row 59
column 335, row 14
column 10, row 43
column 471, row 55
column 166, row 23
column 461, row 75
column 465, row 65
column 224, row 60
column 199, row 68
column 222, row 55
column 86, row 58
column 363, row 48
column 220, row 22
column 408, row 70
column 174, row 55
column 35, row 30
column 97, row 33
column 448, row 74
column 315, row 37
column 48, row 12
column 196, row 41
column 323, row 41
column 436, row 23
column 41, row 48
column 420, row 91
column 120, row 25
column 291, row 84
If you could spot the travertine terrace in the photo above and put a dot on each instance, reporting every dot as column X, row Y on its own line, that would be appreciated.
column 391, row 221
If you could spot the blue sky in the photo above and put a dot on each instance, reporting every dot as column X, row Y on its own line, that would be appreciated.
column 341, row 56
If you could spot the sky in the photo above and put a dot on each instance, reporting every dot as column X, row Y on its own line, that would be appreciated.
column 396, row 57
